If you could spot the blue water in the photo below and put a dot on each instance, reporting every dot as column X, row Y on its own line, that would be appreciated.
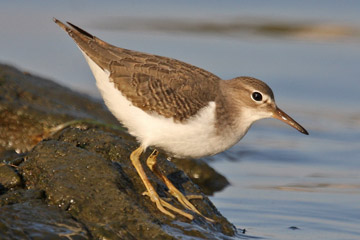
column 279, row 177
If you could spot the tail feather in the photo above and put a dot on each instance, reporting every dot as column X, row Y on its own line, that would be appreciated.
column 82, row 31
column 93, row 47
column 73, row 27
column 62, row 25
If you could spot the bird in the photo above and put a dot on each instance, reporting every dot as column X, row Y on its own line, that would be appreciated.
column 173, row 106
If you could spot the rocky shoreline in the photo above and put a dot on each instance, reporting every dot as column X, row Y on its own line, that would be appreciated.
column 78, row 182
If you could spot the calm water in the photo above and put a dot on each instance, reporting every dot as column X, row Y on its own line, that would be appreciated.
column 280, row 179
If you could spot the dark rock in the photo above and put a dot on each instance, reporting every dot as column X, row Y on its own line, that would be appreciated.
column 202, row 174
column 20, row 196
column 11, row 157
column 30, row 105
column 8, row 177
column 80, row 180
column 88, row 174
column 24, row 215
column 35, row 220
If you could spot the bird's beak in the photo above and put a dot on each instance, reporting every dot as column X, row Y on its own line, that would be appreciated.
column 279, row 114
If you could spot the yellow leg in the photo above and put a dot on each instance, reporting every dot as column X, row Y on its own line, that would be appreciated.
column 151, row 162
column 151, row 192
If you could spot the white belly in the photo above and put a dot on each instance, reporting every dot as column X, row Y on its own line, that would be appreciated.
column 195, row 138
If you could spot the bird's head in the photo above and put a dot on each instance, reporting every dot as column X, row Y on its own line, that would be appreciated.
column 256, row 100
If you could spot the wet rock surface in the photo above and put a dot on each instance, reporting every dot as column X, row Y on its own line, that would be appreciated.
column 202, row 174
column 79, row 183
column 30, row 105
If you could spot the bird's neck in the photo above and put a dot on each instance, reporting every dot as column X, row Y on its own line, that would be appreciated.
column 231, row 116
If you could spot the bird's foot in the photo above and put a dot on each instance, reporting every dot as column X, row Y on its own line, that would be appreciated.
column 184, row 200
column 150, row 190
column 161, row 204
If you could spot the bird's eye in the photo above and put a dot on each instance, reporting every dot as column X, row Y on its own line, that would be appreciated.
column 256, row 96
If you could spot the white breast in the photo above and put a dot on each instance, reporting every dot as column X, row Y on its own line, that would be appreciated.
column 195, row 138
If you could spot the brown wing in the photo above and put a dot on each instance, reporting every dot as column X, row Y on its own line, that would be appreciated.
column 158, row 84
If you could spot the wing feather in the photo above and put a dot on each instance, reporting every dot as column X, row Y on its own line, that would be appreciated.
column 169, row 87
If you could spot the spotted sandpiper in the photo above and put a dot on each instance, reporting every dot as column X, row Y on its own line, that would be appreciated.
column 174, row 106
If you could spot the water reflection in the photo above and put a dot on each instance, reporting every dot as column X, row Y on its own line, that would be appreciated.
column 317, row 187
column 234, row 27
